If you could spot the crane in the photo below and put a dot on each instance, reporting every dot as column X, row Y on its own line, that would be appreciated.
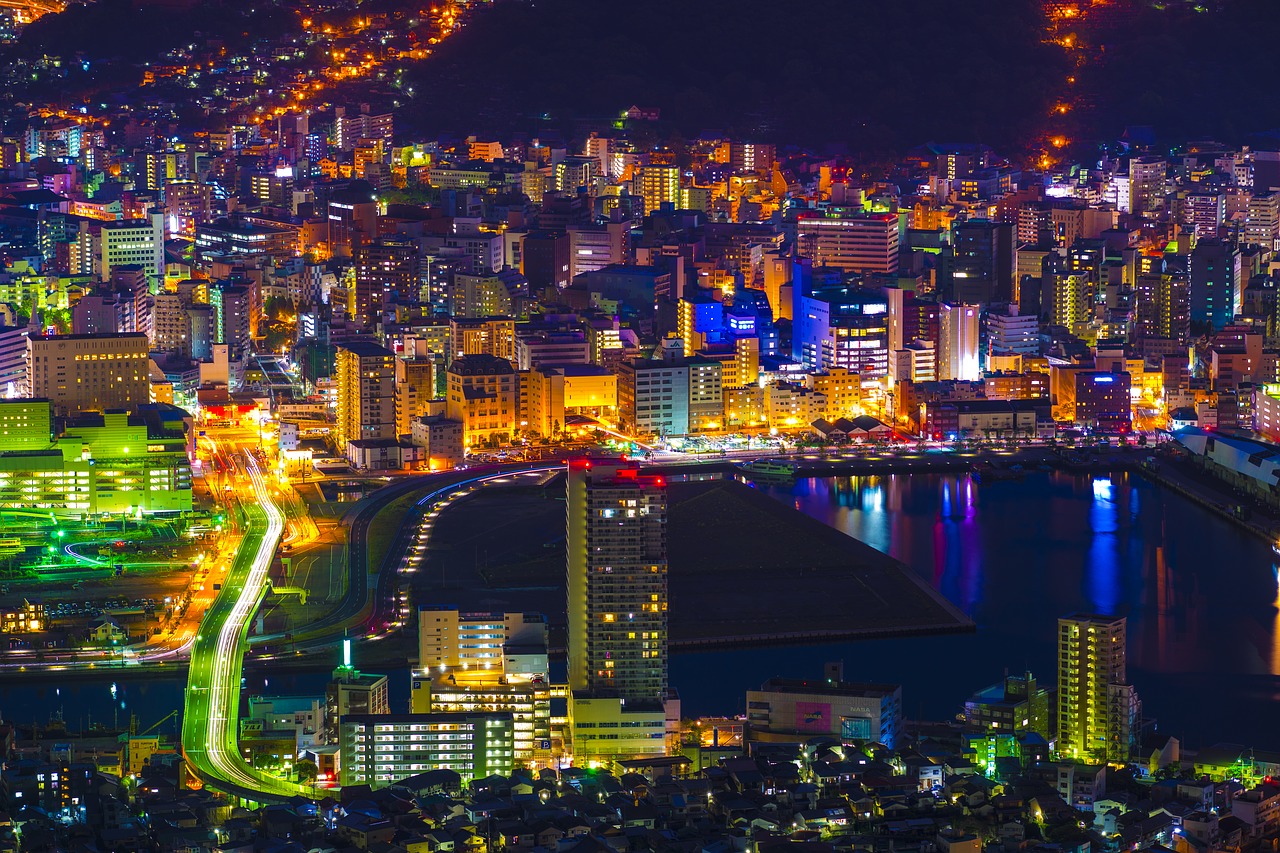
column 133, row 724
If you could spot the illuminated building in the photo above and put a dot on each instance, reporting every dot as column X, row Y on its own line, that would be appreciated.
column 131, row 242
column 483, row 396
column 231, row 305
column 26, row 425
column 559, row 347
column 1204, row 212
column 593, row 247
column 348, row 130
column 380, row 750
column 1217, row 293
column 226, row 237
column 89, row 373
column 13, row 361
column 415, row 387
column 1098, row 710
column 752, row 157
column 1262, row 220
column 842, row 390
column 653, row 398
column 556, row 391
column 784, row 708
column 699, row 321
column 788, row 405
column 352, row 219
column 100, row 464
column 1012, row 333
column 617, row 593
column 495, row 336
column 857, row 244
column 440, row 439
column 365, row 377
column 1147, row 186
column 486, row 294
column 486, row 662
column 384, row 268
column 706, row 394
column 352, row 692
column 915, row 362
column 1015, row 706
column 843, row 327
column 573, row 173
column 958, row 342
column 658, row 184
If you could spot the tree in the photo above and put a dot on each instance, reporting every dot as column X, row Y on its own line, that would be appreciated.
column 307, row 771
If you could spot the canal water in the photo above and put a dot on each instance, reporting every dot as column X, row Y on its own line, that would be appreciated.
column 1200, row 596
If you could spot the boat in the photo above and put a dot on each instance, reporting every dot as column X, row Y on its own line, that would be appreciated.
column 769, row 469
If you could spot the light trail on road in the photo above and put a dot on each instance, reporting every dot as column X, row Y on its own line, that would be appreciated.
column 210, row 722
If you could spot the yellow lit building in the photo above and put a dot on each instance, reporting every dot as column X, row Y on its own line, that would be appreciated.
column 365, row 377
column 89, row 373
column 555, row 392
column 484, row 397
column 658, row 183
column 495, row 336
column 1098, row 709
column 842, row 389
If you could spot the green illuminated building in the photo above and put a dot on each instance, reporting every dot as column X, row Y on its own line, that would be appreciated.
column 100, row 464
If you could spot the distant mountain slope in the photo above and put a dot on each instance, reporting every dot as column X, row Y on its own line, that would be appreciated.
column 867, row 73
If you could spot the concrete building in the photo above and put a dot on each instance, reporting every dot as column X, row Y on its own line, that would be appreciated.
column 1016, row 706
column 958, row 342
column 1147, row 186
column 352, row 692
column 617, row 591
column 1098, row 709
column 131, row 242
column 89, row 373
column 440, row 439
column 508, row 643
column 653, row 398
column 483, row 395
column 1012, row 333
column 857, row 244
column 364, row 373
column 847, row 710
column 377, row 750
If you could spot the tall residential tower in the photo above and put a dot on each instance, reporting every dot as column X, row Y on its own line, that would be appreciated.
column 1098, row 709
column 617, row 580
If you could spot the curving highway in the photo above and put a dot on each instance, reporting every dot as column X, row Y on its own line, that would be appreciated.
column 211, row 717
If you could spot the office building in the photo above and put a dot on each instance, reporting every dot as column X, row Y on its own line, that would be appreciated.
column 1098, row 709
column 484, row 396
column 556, row 392
column 958, row 342
column 89, row 373
column 378, row 750
column 1010, row 332
column 617, row 605
column 980, row 267
column 352, row 692
column 858, row 244
column 594, row 247
column 364, row 374
column 495, row 336
column 138, row 242
column 1217, row 289
column 545, row 260
column 788, row 708
column 653, row 398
